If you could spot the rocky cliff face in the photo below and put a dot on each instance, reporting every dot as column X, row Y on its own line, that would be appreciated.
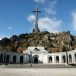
column 53, row 42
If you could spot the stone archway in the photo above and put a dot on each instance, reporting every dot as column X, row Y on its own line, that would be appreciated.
column 57, row 59
column 63, row 59
column 50, row 59
column 75, row 57
column 36, row 59
column 70, row 58
column 21, row 59
column 14, row 59
column 7, row 59
column 1, row 58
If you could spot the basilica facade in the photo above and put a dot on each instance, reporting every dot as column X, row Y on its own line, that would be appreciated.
column 38, row 55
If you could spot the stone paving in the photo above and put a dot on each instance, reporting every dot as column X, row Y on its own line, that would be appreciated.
column 37, row 72
column 37, row 66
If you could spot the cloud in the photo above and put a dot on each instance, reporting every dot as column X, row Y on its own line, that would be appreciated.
column 40, row 1
column 48, row 6
column 9, row 28
column 74, row 20
column 31, row 18
column 50, row 9
column 51, row 25
column 0, row 38
column 46, row 23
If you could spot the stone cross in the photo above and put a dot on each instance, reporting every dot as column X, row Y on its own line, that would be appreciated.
column 36, row 22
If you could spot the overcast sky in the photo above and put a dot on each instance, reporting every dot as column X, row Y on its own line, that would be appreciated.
column 16, row 16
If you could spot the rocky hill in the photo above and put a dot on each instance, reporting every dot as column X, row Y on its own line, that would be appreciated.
column 53, row 42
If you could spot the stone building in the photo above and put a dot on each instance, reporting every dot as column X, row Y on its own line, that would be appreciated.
column 38, row 55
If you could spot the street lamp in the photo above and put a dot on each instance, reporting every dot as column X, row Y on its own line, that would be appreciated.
column 31, row 57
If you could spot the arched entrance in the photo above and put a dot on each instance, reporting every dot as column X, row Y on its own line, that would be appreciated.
column 63, row 58
column 70, row 58
column 50, row 59
column 21, row 59
column 7, row 59
column 75, row 57
column 36, row 59
column 14, row 59
column 1, row 58
column 57, row 59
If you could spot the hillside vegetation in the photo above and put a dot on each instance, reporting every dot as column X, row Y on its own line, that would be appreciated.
column 53, row 42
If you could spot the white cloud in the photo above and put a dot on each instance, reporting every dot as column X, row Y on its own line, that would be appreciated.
column 40, row 1
column 50, row 9
column 74, row 20
column 9, row 28
column 31, row 18
column 51, row 25
column 46, row 23
column 0, row 38
column 48, row 6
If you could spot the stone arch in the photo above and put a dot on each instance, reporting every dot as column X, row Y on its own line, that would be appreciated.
column 36, row 59
column 63, row 58
column 1, row 58
column 70, row 58
column 75, row 57
column 7, row 59
column 50, row 59
column 14, row 59
column 57, row 59
column 21, row 59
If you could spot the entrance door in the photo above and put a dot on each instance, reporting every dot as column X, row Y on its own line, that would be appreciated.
column 14, row 59
column 21, row 59
column 1, row 58
column 7, row 59
column 36, row 60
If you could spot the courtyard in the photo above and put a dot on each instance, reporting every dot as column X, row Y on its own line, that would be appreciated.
column 37, row 72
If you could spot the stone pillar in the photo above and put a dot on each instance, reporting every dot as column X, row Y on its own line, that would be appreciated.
column 17, row 59
column 45, row 59
column 73, row 58
column 53, row 59
column 11, row 58
column 60, row 58
column 25, row 58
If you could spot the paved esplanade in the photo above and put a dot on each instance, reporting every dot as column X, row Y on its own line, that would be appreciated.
column 37, row 72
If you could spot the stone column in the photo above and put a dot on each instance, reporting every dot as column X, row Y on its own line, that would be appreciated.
column 60, row 58
column 73, row 58
column 53, row 59
column 25, row 58
column 17, row 59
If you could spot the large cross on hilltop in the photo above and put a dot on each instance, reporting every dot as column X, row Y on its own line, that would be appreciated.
column 36, row 29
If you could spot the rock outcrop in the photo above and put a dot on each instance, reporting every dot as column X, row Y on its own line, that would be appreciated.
column 53, row 42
